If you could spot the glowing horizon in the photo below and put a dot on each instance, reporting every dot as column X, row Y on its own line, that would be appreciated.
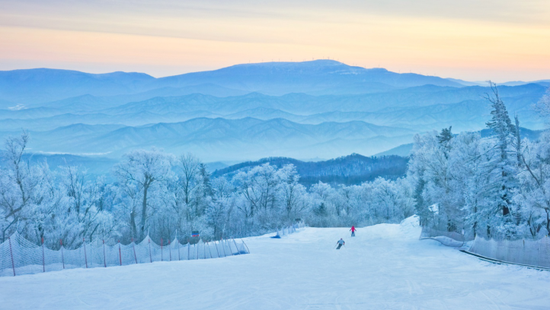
column 494, row 40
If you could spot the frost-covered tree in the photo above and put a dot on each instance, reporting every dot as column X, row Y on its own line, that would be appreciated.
column 220, row 210
column 140, row 174
column 187, row 172
column 494, row 186
column 468, row 181
column 258, row 186
column 203, row 192
column 22, row 189
column 502, row 167
column 322, row 205
column 534, row 190
column 429, row 171
column 292, row 194
column 77, row 214
column 189, row 195
column 444, row 139
column 380, row 201
column 386, row 201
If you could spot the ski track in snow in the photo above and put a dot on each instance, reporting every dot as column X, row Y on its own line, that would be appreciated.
column 383, row 267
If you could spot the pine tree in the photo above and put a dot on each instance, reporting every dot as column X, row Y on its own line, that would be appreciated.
column 444, row 139
column 502, row 165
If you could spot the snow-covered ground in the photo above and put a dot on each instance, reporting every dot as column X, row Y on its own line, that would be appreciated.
column 384, row 267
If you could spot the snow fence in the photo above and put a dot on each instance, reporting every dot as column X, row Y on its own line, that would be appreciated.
column 290, row 229
column 19, row 256
column 530, row 252
column 534, row 253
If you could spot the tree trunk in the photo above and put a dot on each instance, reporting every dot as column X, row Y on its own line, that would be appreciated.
column 144, row 208
column 133, row 222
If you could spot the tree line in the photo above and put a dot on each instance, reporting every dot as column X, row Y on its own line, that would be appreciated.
column 495, row 187
column 150, row 192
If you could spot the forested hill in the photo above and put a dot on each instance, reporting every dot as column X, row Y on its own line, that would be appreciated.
column 348, row 170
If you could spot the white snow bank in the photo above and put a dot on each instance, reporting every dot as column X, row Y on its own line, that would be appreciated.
column 411, row 226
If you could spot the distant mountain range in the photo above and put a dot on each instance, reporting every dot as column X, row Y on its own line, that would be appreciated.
column 275, row 78
column 222, row 139
column 316, row 109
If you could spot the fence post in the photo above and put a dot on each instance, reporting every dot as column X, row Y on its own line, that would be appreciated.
column 150, row 255
column 223, row 248
column 178, row 243
column 247, row 249
column 236, row 247
column 197, row 244
column 188, row 248
column 104, row 259
column 119, row 253
column 11, row 254
column 216, row 244
column 205, row 245
column 161, row 256
column 43, row 258
column 85, row 255
column 134, row 247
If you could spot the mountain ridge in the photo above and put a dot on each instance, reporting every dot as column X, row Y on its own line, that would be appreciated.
column 312, row 109
column 43, row 84
column 207, row 137
column 349, row 170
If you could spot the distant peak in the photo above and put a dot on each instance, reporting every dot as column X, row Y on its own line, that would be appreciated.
column 325, row 62
column 378, row 69
column 314, row 61
column 289, row 64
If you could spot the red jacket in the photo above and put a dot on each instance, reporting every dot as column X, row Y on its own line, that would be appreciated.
column 352, row 229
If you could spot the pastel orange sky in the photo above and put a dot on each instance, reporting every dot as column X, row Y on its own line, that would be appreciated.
column 469, row 39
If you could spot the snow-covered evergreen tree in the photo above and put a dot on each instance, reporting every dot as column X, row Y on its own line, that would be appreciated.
column 502, row 168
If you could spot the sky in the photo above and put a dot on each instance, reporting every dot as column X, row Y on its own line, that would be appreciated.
column 504, row 40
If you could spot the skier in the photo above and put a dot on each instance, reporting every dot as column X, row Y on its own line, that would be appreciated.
column 353, row 231
column 340, row 243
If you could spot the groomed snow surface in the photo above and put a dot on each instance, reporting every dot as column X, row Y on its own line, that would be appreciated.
column 383, row 267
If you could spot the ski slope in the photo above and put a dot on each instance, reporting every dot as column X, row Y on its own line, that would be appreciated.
column 383, row 267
